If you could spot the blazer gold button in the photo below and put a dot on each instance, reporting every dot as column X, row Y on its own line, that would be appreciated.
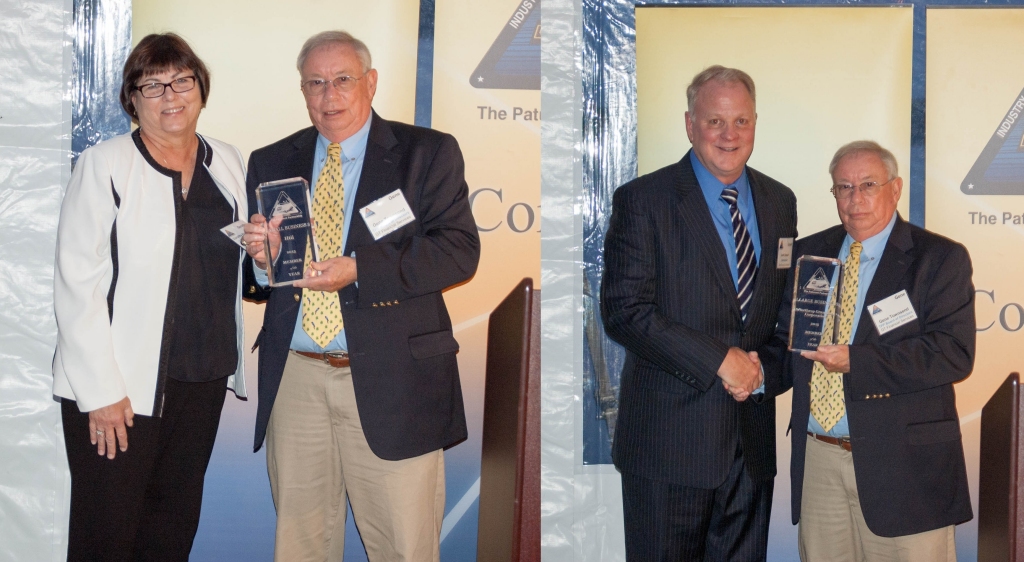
column 252, row 289
column 296, row 298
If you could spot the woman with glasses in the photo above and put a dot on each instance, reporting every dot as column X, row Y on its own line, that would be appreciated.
column 147, row 295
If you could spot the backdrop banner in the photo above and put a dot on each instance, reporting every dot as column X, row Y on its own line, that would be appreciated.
column 975, row 194
column 636, row 66
column 486, row 93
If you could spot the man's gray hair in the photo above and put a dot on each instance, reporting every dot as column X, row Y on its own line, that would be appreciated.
column 335, row 38
column 871, row 147
column 718, row 73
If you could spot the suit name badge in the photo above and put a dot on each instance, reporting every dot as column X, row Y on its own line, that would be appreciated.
column 892, row 312
column 387, row 214
column 784, row 257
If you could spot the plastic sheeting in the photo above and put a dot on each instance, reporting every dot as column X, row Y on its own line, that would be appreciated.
column 35, row 126
column 588, row 69
column 103, row 36
column 39, row 40
column 577, row 521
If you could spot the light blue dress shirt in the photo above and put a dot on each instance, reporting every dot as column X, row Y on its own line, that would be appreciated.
column 870, row 254
column 353, row 149
column 712, row 188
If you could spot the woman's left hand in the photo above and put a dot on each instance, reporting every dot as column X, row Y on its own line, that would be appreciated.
column 107, row 427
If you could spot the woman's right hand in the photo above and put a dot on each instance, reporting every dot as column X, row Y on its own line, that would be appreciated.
column 107, row 427
column 256, row 231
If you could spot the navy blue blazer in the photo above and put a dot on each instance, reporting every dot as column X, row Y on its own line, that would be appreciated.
column 668, row 297
column 904, row 429
column 399, row 333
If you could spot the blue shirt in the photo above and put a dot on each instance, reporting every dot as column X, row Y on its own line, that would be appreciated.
column 870, row 254
column 353, row 149
column 712, row 188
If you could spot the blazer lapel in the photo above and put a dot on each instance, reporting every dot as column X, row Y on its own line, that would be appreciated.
column 895, row 262
column 300, row 162
column 698, row 226
column 379, row 177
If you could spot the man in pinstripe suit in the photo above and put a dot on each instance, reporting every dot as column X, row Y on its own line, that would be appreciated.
column 692, row 281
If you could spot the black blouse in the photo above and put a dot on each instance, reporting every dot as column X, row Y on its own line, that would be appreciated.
column 203, row 346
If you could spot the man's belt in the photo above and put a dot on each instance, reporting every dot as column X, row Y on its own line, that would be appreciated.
column 844, row 442
column 337, row 359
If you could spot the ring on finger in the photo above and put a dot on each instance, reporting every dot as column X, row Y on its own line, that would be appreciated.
column 99, row 432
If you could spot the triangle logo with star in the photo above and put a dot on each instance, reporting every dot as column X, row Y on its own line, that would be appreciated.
column 513, row 61
column 999, row 169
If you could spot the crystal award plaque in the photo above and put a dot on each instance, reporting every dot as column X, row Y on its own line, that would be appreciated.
column 817, row 283
column 286, row 206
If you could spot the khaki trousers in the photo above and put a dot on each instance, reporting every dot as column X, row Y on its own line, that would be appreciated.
column 832, row 526
column 316, row 454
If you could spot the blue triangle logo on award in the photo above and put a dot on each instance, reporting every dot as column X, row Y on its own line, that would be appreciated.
column 999, row 169
column 875, row 310
column 513, row 61
column 285, row 207
column 818, row 283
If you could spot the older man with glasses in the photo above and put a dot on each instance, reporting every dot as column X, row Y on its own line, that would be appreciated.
column 359, row 387
column 878, row 467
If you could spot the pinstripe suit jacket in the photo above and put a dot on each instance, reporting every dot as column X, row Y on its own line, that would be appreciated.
column 667, row 295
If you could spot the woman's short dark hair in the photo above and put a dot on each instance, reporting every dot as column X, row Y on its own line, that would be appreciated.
column 156, row 53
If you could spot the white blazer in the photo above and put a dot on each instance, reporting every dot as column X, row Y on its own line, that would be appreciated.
column 115, row 242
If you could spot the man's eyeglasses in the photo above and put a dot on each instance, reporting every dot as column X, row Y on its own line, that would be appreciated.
column 317, row 86
column 868, row 188
column 156, row 89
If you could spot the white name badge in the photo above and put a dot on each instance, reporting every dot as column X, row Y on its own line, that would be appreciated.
column 892, row 312
column 387, row 214
column 784, row 257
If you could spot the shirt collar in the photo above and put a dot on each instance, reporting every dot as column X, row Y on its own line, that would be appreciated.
column 873, row 247
column 353, row 147
column 712, row 186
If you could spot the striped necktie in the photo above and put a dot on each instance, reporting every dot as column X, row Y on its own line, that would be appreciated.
column 828, row 405
column 321, row 310
column 746, row 261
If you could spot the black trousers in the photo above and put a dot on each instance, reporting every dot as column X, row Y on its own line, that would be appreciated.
column 668, row 522
column 144, row 504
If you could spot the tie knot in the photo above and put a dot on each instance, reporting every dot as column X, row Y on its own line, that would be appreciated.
column 855, row 249
column 334, row 150
column 730, row 195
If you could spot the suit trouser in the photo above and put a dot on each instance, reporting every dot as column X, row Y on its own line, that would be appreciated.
column 144, row 504
column 317, row 453
column 671, row 523
column 832, row 526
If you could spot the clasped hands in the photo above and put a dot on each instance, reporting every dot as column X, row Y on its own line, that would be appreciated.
column 741, row 373
column 328, row 275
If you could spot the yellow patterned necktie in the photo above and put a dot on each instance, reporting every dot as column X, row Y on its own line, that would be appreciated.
column 321, row 310
column 828, row 405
